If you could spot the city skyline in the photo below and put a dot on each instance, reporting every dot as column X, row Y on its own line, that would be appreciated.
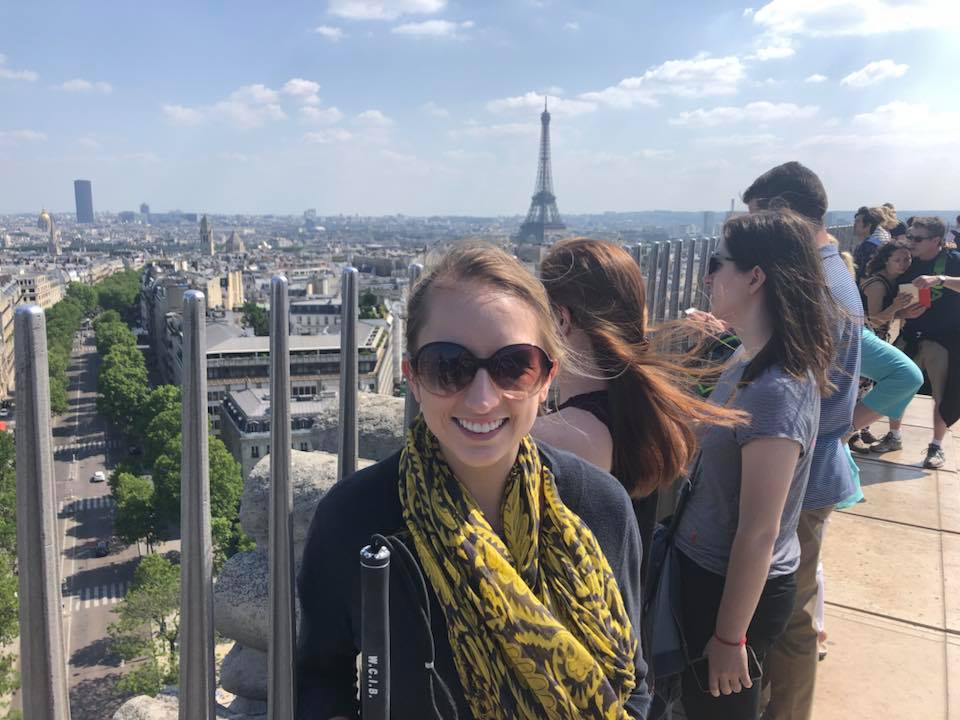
column 430, row 107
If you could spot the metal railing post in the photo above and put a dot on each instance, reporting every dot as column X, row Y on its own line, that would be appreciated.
column 662, row 281
column 653, row 264
column 197, row 669
column 349, row 305
column 44, row 690
column 703, row 250
column 411, row 408
column 281, row 680
column 691, row 246
column 674, row 311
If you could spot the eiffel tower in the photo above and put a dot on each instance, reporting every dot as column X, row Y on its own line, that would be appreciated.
column 543, row 214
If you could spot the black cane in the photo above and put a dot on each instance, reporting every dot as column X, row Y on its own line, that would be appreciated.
column 375, row 631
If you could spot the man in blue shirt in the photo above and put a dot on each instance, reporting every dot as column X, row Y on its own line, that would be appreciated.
column 791, row 666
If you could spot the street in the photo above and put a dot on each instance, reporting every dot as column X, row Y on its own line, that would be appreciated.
column 92, row 586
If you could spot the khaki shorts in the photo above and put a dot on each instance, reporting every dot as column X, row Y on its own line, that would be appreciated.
column 933, row 359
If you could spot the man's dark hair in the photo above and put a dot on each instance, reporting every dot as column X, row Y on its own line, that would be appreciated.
column 932, row 225
column 871, row 217
column 899, row 230
column 790, row 185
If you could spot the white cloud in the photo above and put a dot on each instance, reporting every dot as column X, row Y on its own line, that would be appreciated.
column 184, row 116
column 502, row 130
column 833, row 18
column 699, row 76
column 875, row 72
column 468, row 155
column 145, row 156
column 329, row 135
column 434, row 110
column 755, row 112
column 257, row 94
column 747, row 12
column 432, row 28
column 300, row 88
column 574, row 26
column 15, row 137
column 334, row 34
column 774, row 53
column 250, row 106
column 233, row 157
column 89, row 143
column 737, row 141
column 9, row 74
column 373, row 118
column 384, row 9
column 653, row 153
column 321, row 116
column 79, row 85
column 534, row 101
column 897, row 125
column 816, row 78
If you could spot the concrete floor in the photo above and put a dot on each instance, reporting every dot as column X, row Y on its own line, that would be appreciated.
column 892, row 567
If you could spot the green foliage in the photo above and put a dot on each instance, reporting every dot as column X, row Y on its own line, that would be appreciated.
column 85, row 295
column 256, row 317
column 107, row 316
column 122, row 386
column 120, row 292
column 135, row 518
column 226, row 483
column 9, row 606
column 370, row 308
column 111, row 334
column 162, row 429
column 148, row 625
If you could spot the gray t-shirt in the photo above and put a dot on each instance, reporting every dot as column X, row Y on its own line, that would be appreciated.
column 780, row 406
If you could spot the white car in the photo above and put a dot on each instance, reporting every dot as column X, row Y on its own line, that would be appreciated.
column 99, row 476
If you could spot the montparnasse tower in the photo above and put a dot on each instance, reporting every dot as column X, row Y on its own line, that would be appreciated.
column 206, row 237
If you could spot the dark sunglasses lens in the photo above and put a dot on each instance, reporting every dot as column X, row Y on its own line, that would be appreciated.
column 713, row 265
column 520, row 368
column 445, row 367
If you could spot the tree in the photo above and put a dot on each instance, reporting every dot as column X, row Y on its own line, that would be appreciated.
column 106, row 317
column 162, row 429
column 161, row 399
column 120, row 292
column 110, row 334
column 85, row 295
column 256, row 317
column 226, row 483
column 9, row 606
column 135, row 518
column 122, row 390
column 148, row 625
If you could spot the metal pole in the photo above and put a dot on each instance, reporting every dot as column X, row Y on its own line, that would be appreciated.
column 411, row 408
column 675, row 284
column 703, row 245
column 281, row 688
column 44, row 690
column 347, row 457
column 688, row 274
column 662, row 281
column 653, row 263
column 197, row 669
column 375, row 632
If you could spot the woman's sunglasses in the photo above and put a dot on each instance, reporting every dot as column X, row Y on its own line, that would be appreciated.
column 445, row 368
column 716, row 262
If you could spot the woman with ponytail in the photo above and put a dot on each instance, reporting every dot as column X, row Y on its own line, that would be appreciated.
column 621, row 404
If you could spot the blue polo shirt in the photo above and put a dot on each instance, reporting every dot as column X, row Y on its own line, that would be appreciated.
column 830, row 478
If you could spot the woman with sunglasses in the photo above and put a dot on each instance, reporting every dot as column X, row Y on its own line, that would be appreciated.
column 624, row 406
column 737, row 539
column 531, row 557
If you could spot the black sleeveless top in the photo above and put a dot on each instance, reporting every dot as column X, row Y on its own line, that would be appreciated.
column 597, row 403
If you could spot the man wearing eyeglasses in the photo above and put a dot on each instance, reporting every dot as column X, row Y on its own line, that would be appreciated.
column 931, row 335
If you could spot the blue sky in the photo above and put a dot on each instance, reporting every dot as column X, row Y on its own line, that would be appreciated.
column 432, row 106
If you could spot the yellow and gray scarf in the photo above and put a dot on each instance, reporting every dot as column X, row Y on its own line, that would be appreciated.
column 536, row 620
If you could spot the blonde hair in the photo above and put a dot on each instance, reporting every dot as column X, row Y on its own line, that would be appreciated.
column 480, row 263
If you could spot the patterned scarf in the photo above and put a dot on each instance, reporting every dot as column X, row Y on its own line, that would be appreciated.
column 536, row 620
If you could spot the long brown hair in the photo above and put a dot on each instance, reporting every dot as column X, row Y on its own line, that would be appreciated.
column 796, row 296
column 652, row 405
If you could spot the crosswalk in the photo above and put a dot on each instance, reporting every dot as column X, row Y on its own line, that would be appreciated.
column 87, row 598
column 87, row 446
column 104, row 502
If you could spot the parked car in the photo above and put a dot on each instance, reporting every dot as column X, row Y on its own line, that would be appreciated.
column 135, row 450
column 103, row 549
column 4, row 412
column 99, row 476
